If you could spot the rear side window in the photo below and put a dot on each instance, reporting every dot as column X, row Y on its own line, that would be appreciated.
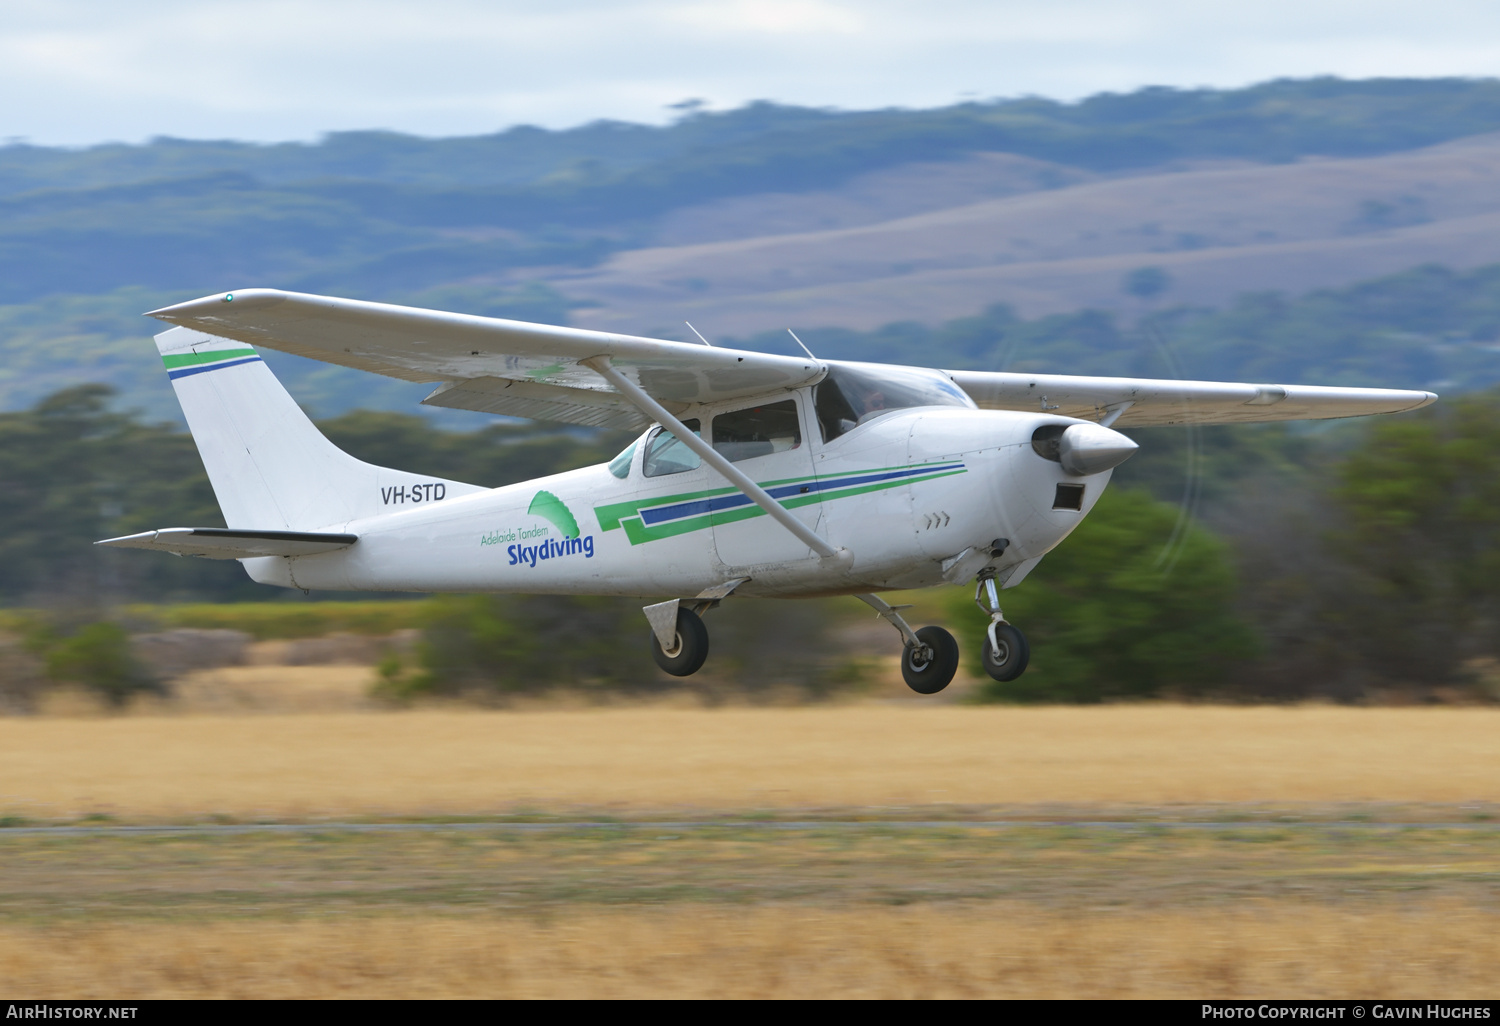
column 667, row 455
column 757, row 431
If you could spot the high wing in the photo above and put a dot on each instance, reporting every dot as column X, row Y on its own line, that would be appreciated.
column 494, row 366
column 228, row 543
column 1148, row 402
column 520, row 369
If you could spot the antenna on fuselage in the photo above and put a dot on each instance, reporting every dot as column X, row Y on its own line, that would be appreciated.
column 695, row 331
column 806, row 350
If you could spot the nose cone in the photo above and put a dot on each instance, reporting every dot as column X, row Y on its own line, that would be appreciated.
column 1092, row 449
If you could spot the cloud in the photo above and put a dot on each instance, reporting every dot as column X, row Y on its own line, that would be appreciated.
column 782, row 17
column 79, row 71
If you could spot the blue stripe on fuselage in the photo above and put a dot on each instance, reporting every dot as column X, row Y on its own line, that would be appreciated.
column 718, row 503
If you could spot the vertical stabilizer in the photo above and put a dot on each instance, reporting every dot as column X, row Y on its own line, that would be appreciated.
column 270, row 468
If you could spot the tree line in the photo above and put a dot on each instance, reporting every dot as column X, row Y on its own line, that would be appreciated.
column 74, row 470
column 1427, row 327
column 1430, row 326
column 1243, row 562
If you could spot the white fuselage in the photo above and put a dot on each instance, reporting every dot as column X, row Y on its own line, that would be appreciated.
column 914, row 497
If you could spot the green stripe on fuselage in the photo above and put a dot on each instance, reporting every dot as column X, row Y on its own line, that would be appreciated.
column 623, row 513
column 879, row 486
column 610, row 515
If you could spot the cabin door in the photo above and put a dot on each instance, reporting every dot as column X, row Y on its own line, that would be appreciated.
column 770, row 443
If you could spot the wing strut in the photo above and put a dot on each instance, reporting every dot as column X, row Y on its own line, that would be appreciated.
column 710, row 455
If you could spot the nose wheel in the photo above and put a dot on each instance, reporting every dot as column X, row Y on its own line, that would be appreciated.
column 1005, row 657
column 1005, row 652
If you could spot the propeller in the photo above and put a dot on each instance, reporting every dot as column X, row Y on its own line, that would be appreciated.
column 1192, row 484
column 1110, row 453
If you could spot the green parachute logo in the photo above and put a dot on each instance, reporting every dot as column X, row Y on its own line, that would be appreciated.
column 550, row 508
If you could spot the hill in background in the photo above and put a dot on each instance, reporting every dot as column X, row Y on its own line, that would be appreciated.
column 769, row 216
column 1219, row 228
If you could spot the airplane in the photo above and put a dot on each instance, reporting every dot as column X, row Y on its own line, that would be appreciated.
column 753, row 474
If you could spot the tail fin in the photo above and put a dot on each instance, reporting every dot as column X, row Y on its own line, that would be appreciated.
column 270, row 468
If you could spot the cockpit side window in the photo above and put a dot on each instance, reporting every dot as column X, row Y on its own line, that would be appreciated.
column 665, row 453
column 835, row 413
column 620, row 465
column 850, row 396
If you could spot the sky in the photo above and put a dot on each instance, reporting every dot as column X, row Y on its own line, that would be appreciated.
column 78, row 72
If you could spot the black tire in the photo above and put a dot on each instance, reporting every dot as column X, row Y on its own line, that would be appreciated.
column 691, row 648
column 1010, row 662
column 928, row 672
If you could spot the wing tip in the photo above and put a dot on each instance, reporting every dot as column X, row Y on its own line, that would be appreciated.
column 239, row 299
column 126, row 541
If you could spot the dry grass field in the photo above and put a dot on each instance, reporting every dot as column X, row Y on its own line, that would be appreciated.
column 1281, row 895
column 743, row 910
column 996, row 952
column 653, row 759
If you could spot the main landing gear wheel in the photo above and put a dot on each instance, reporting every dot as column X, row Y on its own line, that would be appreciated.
column 689, row 646
column 1008, row 659
column 927, row 668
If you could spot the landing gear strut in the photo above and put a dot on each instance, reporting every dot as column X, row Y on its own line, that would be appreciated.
column 1005, row 653
column 930, row 657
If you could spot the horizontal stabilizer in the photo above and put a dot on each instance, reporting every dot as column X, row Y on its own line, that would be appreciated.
column 232, row 543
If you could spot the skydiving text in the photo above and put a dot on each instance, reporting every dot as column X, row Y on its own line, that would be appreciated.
column 551, row 549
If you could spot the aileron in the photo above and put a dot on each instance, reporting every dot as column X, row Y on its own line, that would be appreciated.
column 1160, row 401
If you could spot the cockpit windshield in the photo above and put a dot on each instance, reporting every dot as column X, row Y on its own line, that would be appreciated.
column 852, row 394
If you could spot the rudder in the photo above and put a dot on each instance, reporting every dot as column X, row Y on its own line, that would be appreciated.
column 270, row 467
